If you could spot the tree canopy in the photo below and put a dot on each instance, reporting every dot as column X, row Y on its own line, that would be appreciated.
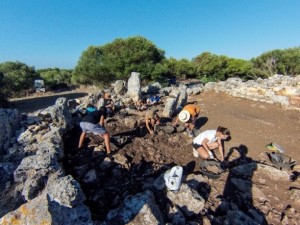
column 116, row 60
column 16, row 77
column 277, row 61
column 55, row 76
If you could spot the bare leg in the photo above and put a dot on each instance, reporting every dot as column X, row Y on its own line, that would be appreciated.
column 107, row 142
column 81, row 139
column 202, row 151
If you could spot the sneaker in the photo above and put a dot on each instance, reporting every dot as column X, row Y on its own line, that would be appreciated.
column 195, row 153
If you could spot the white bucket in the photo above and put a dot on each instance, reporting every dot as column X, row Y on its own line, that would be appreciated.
column 173, row 178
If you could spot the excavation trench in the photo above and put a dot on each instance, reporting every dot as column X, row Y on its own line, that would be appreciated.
column 106, row 181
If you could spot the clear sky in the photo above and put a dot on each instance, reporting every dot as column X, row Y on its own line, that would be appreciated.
column 54, row 33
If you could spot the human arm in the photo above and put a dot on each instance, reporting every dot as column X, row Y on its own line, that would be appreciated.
column 176, row 121
column 101, row 122
column 220, row 148
column 205, row 144
column 148, row 126
column 110, row 104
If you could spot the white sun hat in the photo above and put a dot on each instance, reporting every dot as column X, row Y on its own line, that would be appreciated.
column 184, row 116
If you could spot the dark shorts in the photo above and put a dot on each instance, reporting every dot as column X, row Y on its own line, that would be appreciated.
column 196, row 146
column 92, row 128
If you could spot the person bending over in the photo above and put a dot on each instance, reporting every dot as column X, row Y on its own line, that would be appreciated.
column 93, row 122
column 188, row 115
column 210, row 140
column 152, row 119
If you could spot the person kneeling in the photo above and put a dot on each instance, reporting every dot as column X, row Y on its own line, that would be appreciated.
column 152, row 119
column 210, row 140
column 93, row 122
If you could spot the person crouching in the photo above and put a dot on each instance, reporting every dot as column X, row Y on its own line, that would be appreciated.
column 210, row 140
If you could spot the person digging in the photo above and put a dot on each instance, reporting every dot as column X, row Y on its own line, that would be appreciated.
column 188, row 115
column 209, row 140
column 152, row 119
column 93, row 122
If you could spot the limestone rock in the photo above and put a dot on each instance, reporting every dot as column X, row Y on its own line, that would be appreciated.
column 134, row 87
column 120, row 87
column 66, row 191
column 170, row 107
column 189, row 200
column 136, row 209
column 42, row 210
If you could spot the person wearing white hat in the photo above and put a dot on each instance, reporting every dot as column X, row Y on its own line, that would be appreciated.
column 188, row 115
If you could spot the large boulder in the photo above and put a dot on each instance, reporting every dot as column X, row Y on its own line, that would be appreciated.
column 137, row 209
column 120, row 87
column 42, row 210
column 189, row 200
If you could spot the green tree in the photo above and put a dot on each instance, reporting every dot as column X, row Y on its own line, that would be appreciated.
column 3, row 91
column 286, row 61
column 239, row 68
column 116, row 60
column 55, row 76
column 17, row 77
column 211, row 66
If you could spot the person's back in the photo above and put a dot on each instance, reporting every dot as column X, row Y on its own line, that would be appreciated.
column 94, row 116
column 192, row 109
column 209, row 134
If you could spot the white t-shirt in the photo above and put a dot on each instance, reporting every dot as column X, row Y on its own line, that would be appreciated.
column 210, row 135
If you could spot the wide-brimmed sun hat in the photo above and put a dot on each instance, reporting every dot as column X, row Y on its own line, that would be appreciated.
column 184, row 116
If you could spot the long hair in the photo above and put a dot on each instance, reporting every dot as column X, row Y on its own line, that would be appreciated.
column 223, row 130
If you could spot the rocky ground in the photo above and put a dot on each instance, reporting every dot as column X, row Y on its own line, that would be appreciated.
column 249, row 186
column 266, row 195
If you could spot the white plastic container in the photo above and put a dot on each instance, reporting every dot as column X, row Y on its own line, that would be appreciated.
column 173, row 178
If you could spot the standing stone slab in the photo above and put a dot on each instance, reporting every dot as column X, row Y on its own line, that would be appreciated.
column 170, row 107
column 134, row 87
column 182, row 98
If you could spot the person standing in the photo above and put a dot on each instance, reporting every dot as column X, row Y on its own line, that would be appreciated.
column 210, row 140
column 93, row 122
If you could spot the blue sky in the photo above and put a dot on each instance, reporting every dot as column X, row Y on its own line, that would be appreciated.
column 54, row 33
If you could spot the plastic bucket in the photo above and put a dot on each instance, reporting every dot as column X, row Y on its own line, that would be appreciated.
column 173, row 177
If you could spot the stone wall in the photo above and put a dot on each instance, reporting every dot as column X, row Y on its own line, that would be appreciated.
column 51, row 197
column 9, row 123
column 277, row 89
